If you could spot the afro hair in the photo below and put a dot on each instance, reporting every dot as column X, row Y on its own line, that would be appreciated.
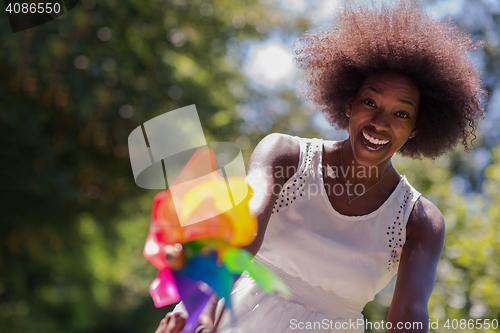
column 399, row 38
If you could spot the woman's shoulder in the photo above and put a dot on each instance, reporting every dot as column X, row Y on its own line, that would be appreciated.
column 277, row 149
column 426, row 220
column 280, row 138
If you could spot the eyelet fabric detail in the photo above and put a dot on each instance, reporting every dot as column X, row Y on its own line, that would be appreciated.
column 295, row 186
column 396, row 235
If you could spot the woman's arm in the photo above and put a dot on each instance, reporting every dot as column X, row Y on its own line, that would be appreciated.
column 417, row 268
column 273, row 162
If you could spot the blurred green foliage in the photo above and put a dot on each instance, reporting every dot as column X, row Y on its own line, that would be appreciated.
column 73, row 220
column 467, row 278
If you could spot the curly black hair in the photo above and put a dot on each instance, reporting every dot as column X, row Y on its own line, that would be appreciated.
column 399, row 38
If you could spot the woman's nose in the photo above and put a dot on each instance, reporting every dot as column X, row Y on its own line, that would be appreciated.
column 380, row 119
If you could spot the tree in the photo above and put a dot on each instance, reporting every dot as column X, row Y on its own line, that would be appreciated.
column 72, row 90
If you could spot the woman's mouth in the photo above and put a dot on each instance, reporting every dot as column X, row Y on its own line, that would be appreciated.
column 373, row 143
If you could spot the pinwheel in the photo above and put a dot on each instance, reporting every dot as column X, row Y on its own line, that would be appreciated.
column 209, row 235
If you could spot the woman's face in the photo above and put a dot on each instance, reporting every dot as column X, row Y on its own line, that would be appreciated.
column 382, row 117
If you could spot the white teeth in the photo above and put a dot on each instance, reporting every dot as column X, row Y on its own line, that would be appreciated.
column 374, row 140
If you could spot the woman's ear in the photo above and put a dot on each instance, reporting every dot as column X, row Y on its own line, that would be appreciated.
column 413, row 133
column 348, row 110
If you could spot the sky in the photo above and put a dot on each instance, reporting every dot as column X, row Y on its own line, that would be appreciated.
column 269, row 62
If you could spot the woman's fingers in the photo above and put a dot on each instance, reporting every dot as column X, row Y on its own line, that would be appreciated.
column 163, row 325
column 172, row 323
column 176, row 323
column 207, row 316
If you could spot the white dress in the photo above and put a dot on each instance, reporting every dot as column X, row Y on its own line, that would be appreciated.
column 333, row 264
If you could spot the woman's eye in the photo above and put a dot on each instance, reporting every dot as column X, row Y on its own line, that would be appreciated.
column 402, row 114
column 370, row 103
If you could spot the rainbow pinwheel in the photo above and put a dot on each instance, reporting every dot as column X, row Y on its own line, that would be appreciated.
column 210, row 235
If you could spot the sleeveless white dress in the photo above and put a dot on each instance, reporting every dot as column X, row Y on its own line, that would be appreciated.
column 333, row 264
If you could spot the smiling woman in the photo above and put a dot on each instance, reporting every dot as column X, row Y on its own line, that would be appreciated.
column 405, row 40
column 383, row 117
column 345, row 222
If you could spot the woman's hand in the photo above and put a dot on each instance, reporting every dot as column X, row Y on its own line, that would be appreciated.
column 173, row 322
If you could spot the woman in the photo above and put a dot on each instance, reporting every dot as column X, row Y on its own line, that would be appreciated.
column 339, row 226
